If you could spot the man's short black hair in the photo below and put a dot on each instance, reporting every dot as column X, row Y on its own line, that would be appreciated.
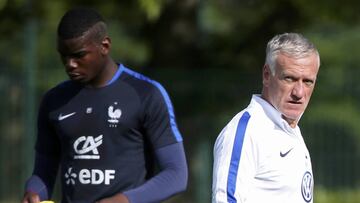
column 77, row 21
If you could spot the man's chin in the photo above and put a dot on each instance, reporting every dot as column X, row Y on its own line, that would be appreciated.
column 80, row 80
column 291, row 116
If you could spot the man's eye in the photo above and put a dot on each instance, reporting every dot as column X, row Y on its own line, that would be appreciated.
column 79, row 55
column 309, row 82
column 289, row 79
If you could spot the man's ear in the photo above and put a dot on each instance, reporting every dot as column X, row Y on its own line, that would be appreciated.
column 105, row 45
column 266, row 73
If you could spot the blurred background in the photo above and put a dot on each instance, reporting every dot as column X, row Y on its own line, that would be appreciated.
column 208, row 54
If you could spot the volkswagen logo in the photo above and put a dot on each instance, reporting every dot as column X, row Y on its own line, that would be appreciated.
column 307, row 185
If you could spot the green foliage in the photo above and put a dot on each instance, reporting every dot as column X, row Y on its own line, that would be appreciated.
column 335, row 196
column 2, row 4
column 152, row 8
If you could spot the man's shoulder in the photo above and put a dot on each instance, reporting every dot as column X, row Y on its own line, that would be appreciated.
column 143, row 85
column 62, row 86
column 61, row 92
column 136, row 77
column 250, row 119
column 247, row 114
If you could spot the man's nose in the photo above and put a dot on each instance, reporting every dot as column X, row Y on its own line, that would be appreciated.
column 70, row 62
column 298, row 90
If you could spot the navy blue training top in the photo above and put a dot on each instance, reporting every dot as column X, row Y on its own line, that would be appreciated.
column 105, row 138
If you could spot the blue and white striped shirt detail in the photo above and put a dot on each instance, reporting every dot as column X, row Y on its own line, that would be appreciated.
column 235, row 157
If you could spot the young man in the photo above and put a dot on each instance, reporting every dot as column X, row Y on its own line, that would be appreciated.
column 260, row 156
column 105, row 127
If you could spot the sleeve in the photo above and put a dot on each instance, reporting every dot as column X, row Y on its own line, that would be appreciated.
column 44, row 175
column 171, row 180
column 234, row 162
column 159, row 118
column 47, row 155
column 47, row 142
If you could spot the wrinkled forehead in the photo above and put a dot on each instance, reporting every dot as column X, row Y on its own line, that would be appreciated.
column 311, row 56
column 305, row 65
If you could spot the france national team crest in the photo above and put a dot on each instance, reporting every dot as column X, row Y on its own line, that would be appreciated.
column 114, row 115
column 307, row 186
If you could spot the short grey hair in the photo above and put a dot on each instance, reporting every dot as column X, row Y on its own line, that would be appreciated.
column 291, row 44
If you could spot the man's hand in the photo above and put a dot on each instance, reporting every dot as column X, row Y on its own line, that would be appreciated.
column 118, row 198
column 31, row 197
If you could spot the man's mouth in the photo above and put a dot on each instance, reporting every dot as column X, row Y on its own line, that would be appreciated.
column 295, row 102
column 74, row 75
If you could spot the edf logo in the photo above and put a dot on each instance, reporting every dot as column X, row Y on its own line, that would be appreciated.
column 86, row 147
column 86, row 176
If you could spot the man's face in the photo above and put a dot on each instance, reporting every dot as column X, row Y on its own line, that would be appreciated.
column 290, row 89
column 83, row 58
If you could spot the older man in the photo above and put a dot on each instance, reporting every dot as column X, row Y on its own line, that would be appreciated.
column 260, row 156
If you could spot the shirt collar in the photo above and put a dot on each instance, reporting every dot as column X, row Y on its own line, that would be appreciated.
column 272, row 113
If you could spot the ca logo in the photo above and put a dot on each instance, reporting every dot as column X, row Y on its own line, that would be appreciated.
column 86, row 147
